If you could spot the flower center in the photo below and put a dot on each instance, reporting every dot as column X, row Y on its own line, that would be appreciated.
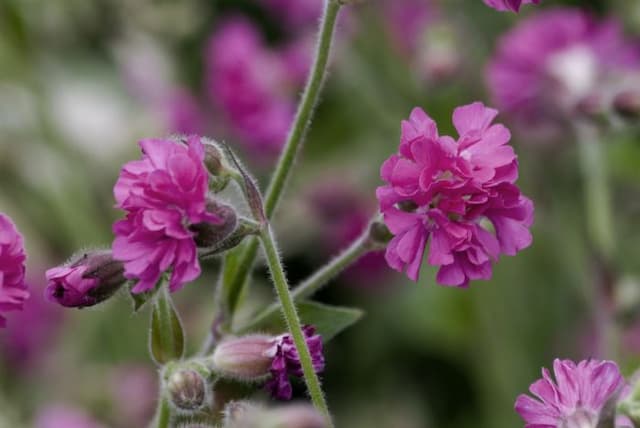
column 580, row 419
column 575, row 69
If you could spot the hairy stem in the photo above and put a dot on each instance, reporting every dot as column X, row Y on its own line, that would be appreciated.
column 294, row 139
column 293, row 322
column 319, row 279
column 163, row 413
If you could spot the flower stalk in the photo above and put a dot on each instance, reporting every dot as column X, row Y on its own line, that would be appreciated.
column 293, row 323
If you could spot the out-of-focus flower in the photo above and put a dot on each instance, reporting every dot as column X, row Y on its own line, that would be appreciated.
column 251, row 85
column 295, row 14
column 91, row 279
column 343, row 214
column 63, row 416
column 459, row 195
column 286, row 361
column 163, row 194
column 13, row 289
column 32, row 331
column 134, row 389
column 255, row 356
column 551, row 62
column 576, row 398
column 511, row 5
column 407, row 22
column 243, row 414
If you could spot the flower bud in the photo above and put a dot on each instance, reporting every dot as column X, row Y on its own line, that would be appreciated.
column 89, row 280
column 213, row 157
column 379, row 234
column 292, row 416
column 627, row 104
column 208, row 234
column 245, row 358
column 187, row 389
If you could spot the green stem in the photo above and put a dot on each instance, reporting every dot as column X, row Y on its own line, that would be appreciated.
column 163, row 414
column 294, row 139
column 320, row 278
column 293, row 322
column 593, row 163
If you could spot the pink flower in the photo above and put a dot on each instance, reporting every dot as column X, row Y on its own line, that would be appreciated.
column 512, row 5
column 63, row 416
column 252, row 85
column 575, row 399
column 13, row 290
column 458, row 196
column 554, row 60
column 298, row 14
column 163, row 194
column 408, row 21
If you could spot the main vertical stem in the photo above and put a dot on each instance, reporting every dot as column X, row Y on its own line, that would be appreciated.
column 600, row 228
column 163, row 413
column 293, row 322
column 296, row 135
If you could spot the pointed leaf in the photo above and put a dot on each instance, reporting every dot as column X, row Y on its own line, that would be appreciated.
column 166, row 341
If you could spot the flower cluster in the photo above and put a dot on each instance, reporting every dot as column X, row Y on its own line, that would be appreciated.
column 253, row 85
column 576, row 398
column 163, row 194
column 553, row 61
column 459, row 195
column 13, row 289
column 510, row 5
column 286, row 361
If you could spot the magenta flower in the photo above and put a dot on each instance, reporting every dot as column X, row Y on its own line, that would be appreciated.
column 13, row 289
column 407, row 22
column 575, row 399
column 511, row 5
column 252, row 85
column 458, row 196
column 554, row 60
column 88, row 281
column 163, row 194
column 286, row 361
column 297, row 14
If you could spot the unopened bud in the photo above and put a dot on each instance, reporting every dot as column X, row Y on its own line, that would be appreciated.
column 245, row 358
column 209, row 234
column 379, row 234
column 187, row 389
column 213, row 158
column 88, row 280
column 627, row 104
column 291, row 416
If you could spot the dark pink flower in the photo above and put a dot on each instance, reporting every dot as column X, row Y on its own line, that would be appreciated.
column 13, row 289
column 252, row 85
column 407, row 22
column 297, row 14
column 511, row 5
column 163, row 194
column 286, row 361
column 575, row 399
column 550, row 63
column 91, row 279
column 458, row 196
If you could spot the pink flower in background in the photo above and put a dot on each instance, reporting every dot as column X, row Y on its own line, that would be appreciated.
column 554, row 60
column 183, row 113
column 163, row 194
column 13, row 289
column 64, row 416
column 575, row 399
column 457, row 196
column 343, row 214
column 511, row 5
column 133, row 390
column 251, row 85
column 286, row 361
column 407, row 21
column 297, row 14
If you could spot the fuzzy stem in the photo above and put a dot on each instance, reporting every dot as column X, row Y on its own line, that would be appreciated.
column 600, row 228
column 163, row 413
column 295, row 138
column 293, row 322
column 319, row 279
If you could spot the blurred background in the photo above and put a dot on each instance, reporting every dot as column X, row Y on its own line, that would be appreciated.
column 81, row 82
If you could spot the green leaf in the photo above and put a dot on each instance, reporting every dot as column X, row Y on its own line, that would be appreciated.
column 328, row 320
column 166, row 340
column 140, row 299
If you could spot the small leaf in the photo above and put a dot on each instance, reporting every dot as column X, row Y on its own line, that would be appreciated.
column 328, row 320
column 166, row 340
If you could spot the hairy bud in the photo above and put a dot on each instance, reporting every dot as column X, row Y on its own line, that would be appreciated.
column 245, row 358
column 86, row 281
column 187, row 389
column 208, row 234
